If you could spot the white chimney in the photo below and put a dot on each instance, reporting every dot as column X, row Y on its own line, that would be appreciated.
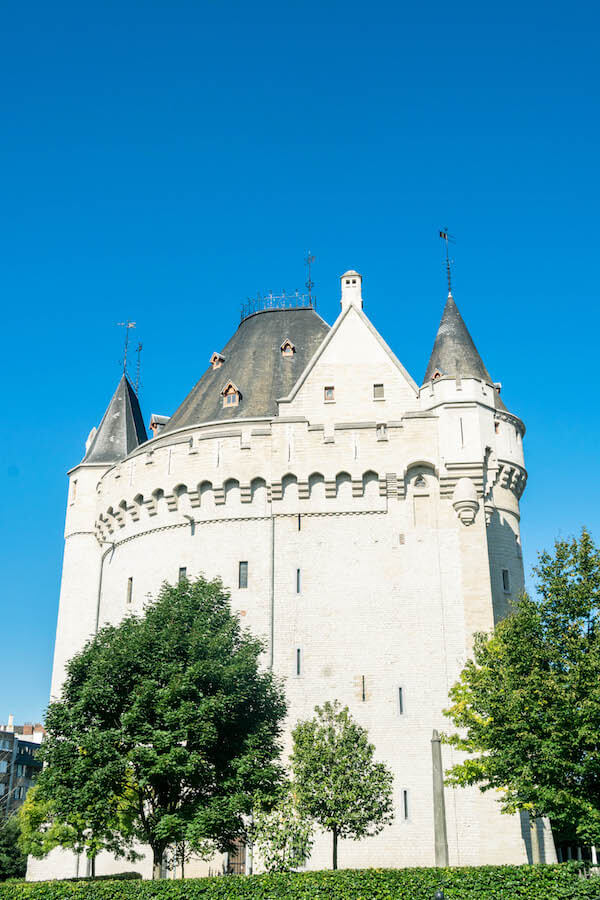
column 351, row 289
column 10, row 726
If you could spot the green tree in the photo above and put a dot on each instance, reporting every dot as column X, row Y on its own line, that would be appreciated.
column 528, row 703
column 338, row 783
column 282, row 835
column 165, row 729
column 13, row 862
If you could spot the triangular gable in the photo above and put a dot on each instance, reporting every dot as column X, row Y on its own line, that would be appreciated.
column 331, row 336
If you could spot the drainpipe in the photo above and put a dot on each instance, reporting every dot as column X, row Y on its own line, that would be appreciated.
column 104, row 555
column 272, row 592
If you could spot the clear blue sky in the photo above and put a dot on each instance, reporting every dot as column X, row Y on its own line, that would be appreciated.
column 163, row 163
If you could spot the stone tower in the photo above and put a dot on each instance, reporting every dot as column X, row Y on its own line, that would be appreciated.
column 366, row 526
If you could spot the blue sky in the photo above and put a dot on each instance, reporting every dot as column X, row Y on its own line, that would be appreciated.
column 163, row 163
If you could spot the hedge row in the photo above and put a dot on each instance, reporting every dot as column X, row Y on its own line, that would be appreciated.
column 550, row 882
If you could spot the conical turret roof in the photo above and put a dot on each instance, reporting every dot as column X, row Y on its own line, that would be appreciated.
column 454, row 352
column 121, row 429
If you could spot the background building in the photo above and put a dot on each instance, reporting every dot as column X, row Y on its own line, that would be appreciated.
column 366, row 526
column 18, row 764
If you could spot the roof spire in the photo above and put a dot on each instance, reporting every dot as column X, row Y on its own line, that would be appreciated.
column 126, row 325
column 121, row 429
column 454, row 352
column 446, row 237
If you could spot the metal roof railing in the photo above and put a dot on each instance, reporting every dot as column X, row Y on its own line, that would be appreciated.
column 262, row 302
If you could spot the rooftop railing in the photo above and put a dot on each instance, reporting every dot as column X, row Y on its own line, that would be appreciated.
column 262, row 302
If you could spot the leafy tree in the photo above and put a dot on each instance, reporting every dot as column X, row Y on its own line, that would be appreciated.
column 165, row 729
column 528, row 704
column 282, row 835
column 13, row 862
column 338, row 783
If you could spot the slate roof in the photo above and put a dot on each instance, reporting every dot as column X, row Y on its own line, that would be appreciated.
column 454, row 352
column 121, row 429
column 255, row 364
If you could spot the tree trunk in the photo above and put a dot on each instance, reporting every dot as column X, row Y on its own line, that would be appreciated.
column 93, row 867
column 335, row 839
column 157, row 856
column 536, row 856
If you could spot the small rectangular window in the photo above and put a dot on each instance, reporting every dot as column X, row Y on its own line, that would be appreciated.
column 401, row 701
column 505, row 580
column 405, row 805
column 2, row 788
column 129, row 590
column 297, row 581
column 329, row 394
column 182, row 573
column 74, row 491
column 4, row 764
column 364, row 689
column 298, row 661
column 243, row 575
column 299, row 522
column 378, row 393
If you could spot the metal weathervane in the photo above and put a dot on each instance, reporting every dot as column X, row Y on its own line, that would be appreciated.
column 126, row 325
column 448, row 238
column 138, row 368
column 309, row 283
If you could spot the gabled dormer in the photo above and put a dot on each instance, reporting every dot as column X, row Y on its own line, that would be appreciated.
column 287, row 348
column 231, row 395
column 217, row 360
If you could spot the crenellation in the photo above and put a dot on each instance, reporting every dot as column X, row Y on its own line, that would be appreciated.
column 399, row 504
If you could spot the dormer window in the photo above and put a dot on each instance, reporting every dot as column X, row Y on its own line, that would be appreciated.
column 231, row 395
column 217, row 360
column 437, row 374
column 329, row 394
column 287, row 348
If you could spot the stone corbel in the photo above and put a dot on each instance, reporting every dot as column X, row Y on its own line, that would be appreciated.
column 464, row 501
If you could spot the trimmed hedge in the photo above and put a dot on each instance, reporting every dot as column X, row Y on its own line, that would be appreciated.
column 544, row 882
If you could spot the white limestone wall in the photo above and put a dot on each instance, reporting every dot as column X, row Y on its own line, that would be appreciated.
column 393, row 584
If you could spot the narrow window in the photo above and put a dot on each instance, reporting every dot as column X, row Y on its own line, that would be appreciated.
column 405, row 805
column 364, row 691
column 462, row 434
column 381, row 432
column 378, row 392
column 401, row 701
column 297, row 581
column 74, row 491
column 182, row 573
column 329, row 394
column 243, row 575
column 129, row 589
column 299, row 522
column 298, row 661
column 505, row 580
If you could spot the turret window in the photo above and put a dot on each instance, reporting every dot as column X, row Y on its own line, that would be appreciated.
column 129, row 590
column 506, row 581
column 243, row 575
column 217, row 360
column 231, row 395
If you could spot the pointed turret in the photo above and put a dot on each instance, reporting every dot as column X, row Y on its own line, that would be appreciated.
column 454, row 352
column 121, row 429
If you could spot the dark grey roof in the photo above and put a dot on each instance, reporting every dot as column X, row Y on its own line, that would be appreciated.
column 454, row 352
column 121, row 429
column 255, row 364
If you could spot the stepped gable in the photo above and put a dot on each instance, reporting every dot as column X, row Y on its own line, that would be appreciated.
column 253, row 362
column 121, row 429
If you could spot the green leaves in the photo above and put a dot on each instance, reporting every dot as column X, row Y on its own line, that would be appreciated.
column 528, row 704
column 480, row 883
column 338, row 783
column 165, row 728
